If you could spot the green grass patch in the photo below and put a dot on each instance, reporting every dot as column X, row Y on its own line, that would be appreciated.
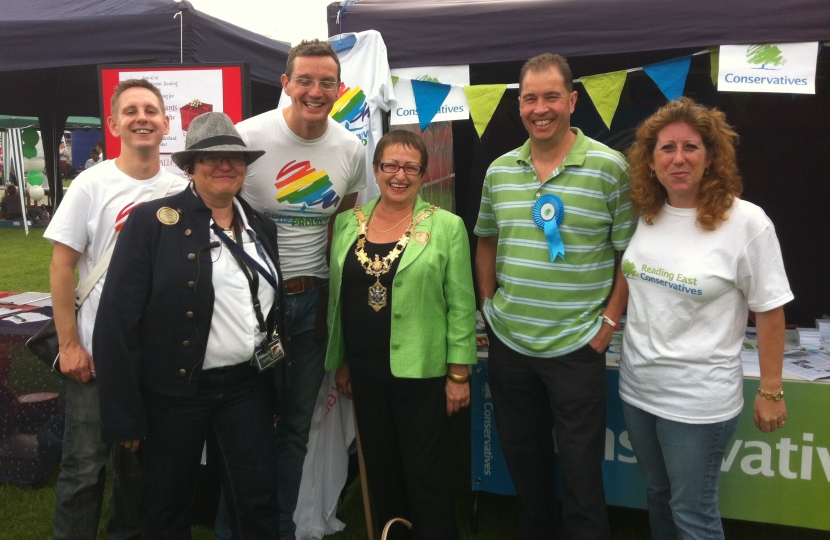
column 24, row 260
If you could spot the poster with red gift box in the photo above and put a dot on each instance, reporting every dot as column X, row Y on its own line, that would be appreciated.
column 188, row 90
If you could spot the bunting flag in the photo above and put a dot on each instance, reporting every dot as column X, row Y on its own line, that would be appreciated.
column 429, row 97
column 714, row 65
column 483, row 100
column 670, row 75
column 394, row 80
column 605, row 90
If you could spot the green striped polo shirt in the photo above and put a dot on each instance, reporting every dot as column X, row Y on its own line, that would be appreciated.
column 542, row 308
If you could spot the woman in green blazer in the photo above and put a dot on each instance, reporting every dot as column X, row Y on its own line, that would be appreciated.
column 402, row 334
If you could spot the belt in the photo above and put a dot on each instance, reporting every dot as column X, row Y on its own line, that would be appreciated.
column 300, row 284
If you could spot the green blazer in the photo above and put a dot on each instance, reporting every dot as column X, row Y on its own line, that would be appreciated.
column 433, row 305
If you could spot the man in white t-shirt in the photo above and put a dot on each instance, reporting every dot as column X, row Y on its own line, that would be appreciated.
column 86, row 223
column 312, row 170
column 94, row 159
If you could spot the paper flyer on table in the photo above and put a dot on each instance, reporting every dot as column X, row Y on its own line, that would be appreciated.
column 810, row 365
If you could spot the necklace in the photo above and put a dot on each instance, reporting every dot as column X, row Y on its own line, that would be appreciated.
column 372, row 225
column 377, row 267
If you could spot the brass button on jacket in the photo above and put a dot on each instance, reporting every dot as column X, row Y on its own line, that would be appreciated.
column 189, row 315
column 182, row 372
column 191, row 257
column 191, row 284
column 185, row 343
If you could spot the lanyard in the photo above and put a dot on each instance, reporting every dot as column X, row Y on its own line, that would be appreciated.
column 242, row 258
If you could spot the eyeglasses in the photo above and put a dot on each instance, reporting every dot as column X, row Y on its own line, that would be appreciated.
column 393, row 168
column 325, row 85
column 215, row 161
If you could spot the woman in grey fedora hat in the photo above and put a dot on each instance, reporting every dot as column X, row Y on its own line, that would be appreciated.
column 188, row 338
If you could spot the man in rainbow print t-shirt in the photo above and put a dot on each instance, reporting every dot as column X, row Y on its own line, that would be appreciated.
column 312, row 169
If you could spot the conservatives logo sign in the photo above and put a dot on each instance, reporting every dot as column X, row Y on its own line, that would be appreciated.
column 767, row 67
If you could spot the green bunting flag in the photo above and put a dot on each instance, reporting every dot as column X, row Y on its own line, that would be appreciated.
column 483, row 100
column 605, row 90
column 714, row 65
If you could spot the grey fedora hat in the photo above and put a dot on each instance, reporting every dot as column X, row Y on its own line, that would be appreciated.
column 213, row 132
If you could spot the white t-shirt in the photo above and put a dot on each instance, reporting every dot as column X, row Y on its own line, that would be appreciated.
column 234, row 329
column 365, row 89
column 92, row 212
column 300, row 184
column 689, row 293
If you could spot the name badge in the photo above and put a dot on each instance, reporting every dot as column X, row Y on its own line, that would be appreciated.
column 269, row 355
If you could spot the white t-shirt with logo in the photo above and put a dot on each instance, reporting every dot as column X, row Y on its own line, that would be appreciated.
column 365, row 89
column 689, row 294
column 93, row 211
column 300, row 184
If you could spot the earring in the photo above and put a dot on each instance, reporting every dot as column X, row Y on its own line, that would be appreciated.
column 706, row 171
column 652, row 173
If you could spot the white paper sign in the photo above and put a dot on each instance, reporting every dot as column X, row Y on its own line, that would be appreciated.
column 455, row 106
column 179, row 90
column 788, row 68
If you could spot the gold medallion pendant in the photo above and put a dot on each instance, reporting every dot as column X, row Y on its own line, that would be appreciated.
column 377, row 296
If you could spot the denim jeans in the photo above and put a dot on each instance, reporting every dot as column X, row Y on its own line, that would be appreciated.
column 306, row 368
column 681, row 464
column 80, row 486
column 236, row 406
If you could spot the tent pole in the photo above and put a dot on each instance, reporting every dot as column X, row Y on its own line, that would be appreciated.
column 17, row 149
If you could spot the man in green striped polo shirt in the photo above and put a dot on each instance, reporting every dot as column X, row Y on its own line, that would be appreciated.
column 550, row 321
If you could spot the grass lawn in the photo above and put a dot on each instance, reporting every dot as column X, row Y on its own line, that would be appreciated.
column 26, row 513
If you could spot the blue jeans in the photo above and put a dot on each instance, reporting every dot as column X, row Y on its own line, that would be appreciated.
column 236, row 406
column 80, row 486
column 306, row 368
column 681, row 464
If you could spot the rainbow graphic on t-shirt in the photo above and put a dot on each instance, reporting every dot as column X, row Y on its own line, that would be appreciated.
column 122, row 216
column 300, row 183
column 350, row 108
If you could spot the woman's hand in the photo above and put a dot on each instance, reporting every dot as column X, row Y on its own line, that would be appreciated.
column 343, row 381
column 131, row 445
column 458, row 394
column 769, row 414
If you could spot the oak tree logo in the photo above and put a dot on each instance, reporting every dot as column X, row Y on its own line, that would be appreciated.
column 765, row 55
column 629, row 269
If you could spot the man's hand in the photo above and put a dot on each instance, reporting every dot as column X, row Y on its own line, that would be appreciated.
column 76, row 363
column 603, row 338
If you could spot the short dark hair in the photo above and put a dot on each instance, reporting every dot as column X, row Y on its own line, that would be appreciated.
column 313, row 47
column 125, row 85
column 11, row 191
column 544, row 62
column 402, row 137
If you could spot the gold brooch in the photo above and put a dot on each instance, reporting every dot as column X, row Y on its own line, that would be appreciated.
column 421, row 237
column 167, row 215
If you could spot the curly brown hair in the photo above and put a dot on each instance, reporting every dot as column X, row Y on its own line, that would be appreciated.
column 721, row 182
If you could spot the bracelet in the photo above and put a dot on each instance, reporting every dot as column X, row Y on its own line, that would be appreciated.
column 608, row 320
column 460, row 379
column 770, row 396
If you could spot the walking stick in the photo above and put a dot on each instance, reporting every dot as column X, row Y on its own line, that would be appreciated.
column 364, row 485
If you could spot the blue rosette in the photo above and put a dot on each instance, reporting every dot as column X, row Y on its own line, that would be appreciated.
column 547, row 214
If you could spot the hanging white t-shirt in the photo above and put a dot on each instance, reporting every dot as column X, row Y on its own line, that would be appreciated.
column 365, row 88
column 689, row 294
column 300, row 184
column 93, row 211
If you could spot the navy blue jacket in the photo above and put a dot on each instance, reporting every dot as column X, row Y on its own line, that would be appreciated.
column 154, row 317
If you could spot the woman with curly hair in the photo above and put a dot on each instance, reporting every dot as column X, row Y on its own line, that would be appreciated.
column 701, row 257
